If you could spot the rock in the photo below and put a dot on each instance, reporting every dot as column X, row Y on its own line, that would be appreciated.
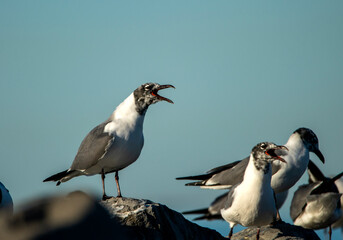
column 76, row 216
column 149, row 220
column 80, row 216
column 278, row 231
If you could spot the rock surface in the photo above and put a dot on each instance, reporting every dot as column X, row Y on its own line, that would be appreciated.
column 149, row 220
column 76, row 216
column 80, row 216
column 279, row 231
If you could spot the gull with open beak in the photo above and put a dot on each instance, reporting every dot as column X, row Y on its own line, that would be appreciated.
column 251, row 203
column 300, row 144
column 117, row 142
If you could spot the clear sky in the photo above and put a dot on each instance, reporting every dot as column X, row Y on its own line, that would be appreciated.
column 244, row 72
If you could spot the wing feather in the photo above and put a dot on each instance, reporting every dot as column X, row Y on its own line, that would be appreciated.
column 93, row 148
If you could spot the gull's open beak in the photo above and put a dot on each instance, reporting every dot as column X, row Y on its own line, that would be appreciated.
column 155, row 93
column 319, row 155
column 277, row 152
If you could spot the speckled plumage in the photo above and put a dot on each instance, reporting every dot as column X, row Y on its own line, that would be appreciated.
column 251, row 203
column 117, row 142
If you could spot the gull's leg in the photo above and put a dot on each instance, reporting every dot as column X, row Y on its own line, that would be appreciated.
column 104, row 196
column 258, row 234
column 278, row 218
column 117, row 182
column 230, row 234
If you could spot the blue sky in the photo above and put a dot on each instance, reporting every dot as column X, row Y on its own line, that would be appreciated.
column 244, row 72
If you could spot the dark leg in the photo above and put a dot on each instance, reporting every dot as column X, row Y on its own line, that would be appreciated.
column 258, row 234
column 104, row 196
column 278, row 218
column 326, row 234
column 117, row 182
column 330, row 232
column 230, row 234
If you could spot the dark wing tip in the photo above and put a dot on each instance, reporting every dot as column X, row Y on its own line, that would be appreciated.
column 57, row 177
column 315, row 175
column 195, row 184
column 198, row 211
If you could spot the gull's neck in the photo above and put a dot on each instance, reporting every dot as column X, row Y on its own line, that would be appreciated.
column 127, row 115
column 257, row 177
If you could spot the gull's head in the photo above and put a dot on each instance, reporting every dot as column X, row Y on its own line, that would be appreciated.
column 147, row 94
column 310, row 140
column 268, row 152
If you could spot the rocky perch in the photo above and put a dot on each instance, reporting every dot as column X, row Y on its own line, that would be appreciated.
column 143, row 219
column 279, row 231
column 80, row 216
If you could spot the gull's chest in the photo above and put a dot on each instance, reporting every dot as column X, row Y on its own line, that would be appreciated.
column 128, row 143
column 125, row 148
column 253, row 202
column 131, row 141
column 258, row 204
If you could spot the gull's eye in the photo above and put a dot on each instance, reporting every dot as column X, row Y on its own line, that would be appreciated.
column 148, row 87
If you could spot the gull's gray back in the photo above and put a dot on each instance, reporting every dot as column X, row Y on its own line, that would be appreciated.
column 92, row 148
column 300, row 198
column 231, row 176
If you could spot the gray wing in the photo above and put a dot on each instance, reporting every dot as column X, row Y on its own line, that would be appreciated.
column 229, row 199
column 225, row 175
column 213, row 211
column 92, row 148
column 230, row 176
column 299, row 200
column 233, row 173
column 218, row 204
column 223, row 167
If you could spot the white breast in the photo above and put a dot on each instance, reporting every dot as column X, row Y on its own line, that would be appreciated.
column 253, row 203
column 126, row 127
column 125, row 149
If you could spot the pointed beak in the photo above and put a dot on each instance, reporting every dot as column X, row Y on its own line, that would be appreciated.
column 277, row 152
column 319, row 155
column 155, row 93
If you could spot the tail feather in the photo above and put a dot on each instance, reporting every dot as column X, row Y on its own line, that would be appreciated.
column 337, row 177
column 197, row 177
column 200, row 183
column 206, row 215
column 58, row 176
column 198, row 211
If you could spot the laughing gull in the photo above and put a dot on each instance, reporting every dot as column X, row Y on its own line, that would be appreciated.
column 251, row 202
column 117, row 142
column 213, row 211
column 316, row 205
column 6, row 201
column 300, row 143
